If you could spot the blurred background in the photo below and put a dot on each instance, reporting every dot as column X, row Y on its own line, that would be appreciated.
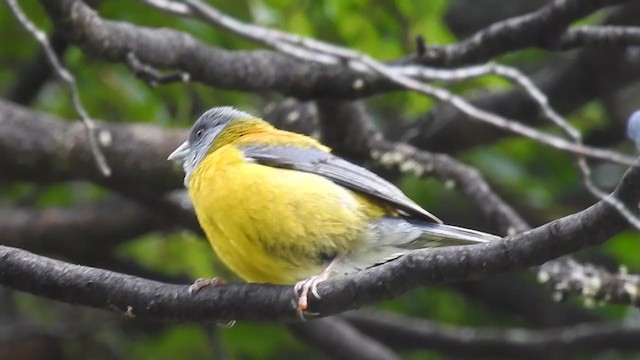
column 84, row 223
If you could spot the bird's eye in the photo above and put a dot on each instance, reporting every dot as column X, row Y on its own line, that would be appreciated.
column 199, row 134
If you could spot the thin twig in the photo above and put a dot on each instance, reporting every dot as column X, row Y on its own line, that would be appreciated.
column 601, row 195
column 151, row 75
column 548, row 112
column 496, row 120
column 69, row 80
column 318, row 51
column 543, row 102
column 508, row 72
column 172, row 7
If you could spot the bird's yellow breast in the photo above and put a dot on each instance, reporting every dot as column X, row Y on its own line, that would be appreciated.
column 271, row 224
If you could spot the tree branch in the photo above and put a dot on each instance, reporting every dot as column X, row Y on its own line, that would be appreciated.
column 602, row 36
column 38, row 147
column 293, row 45
column 411, row 78
column 339, row 340
column 65, row 231
column 589, row 75
column 542, row 28
column 567, row 277
column 255, row 71
column 22, row 270
column 410, row 333
column 518, row 295
column 53, row 138
column 69, row 80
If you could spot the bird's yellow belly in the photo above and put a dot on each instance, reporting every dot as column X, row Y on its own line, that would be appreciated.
column 275, row 225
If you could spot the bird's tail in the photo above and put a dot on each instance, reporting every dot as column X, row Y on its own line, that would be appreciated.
column 415, row 234
column 392, row 237
column 448, row 235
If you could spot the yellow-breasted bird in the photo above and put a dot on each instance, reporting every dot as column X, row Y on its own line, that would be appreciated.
column 279, row 208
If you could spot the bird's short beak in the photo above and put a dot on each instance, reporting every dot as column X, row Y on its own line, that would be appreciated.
column 180, row 153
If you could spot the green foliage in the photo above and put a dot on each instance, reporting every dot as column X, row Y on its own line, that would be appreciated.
column 179, row 342
column 262, row 341
column 447, row 306
column 175, row 254
column 243, row 341
column 624, row 248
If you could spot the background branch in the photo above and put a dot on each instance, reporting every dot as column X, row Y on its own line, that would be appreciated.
column 339, row 340
column 595, row 284
column 76, row 231
column 477, row 342
column 69, row 81
column 540, row 28
column 25, row 158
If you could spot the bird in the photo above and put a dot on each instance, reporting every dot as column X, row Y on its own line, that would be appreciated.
column 279, row 207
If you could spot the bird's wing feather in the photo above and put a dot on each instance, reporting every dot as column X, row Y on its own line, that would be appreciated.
column 338, row 170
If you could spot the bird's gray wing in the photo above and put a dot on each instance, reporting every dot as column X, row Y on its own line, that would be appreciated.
column 338, row 170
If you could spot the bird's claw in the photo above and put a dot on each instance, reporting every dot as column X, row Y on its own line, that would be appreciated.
column 228, row 325
column 201, row 283
column 302, row 289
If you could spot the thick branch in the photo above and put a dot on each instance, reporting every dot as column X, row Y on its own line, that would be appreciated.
column 80, row 230
column 270, row 71
column 38, row 147
column 22, row 270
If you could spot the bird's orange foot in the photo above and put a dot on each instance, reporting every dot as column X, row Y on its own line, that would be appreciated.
column 201, row 283
column 302, row 289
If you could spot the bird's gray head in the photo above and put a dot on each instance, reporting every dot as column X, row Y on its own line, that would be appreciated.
column 203, row 134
